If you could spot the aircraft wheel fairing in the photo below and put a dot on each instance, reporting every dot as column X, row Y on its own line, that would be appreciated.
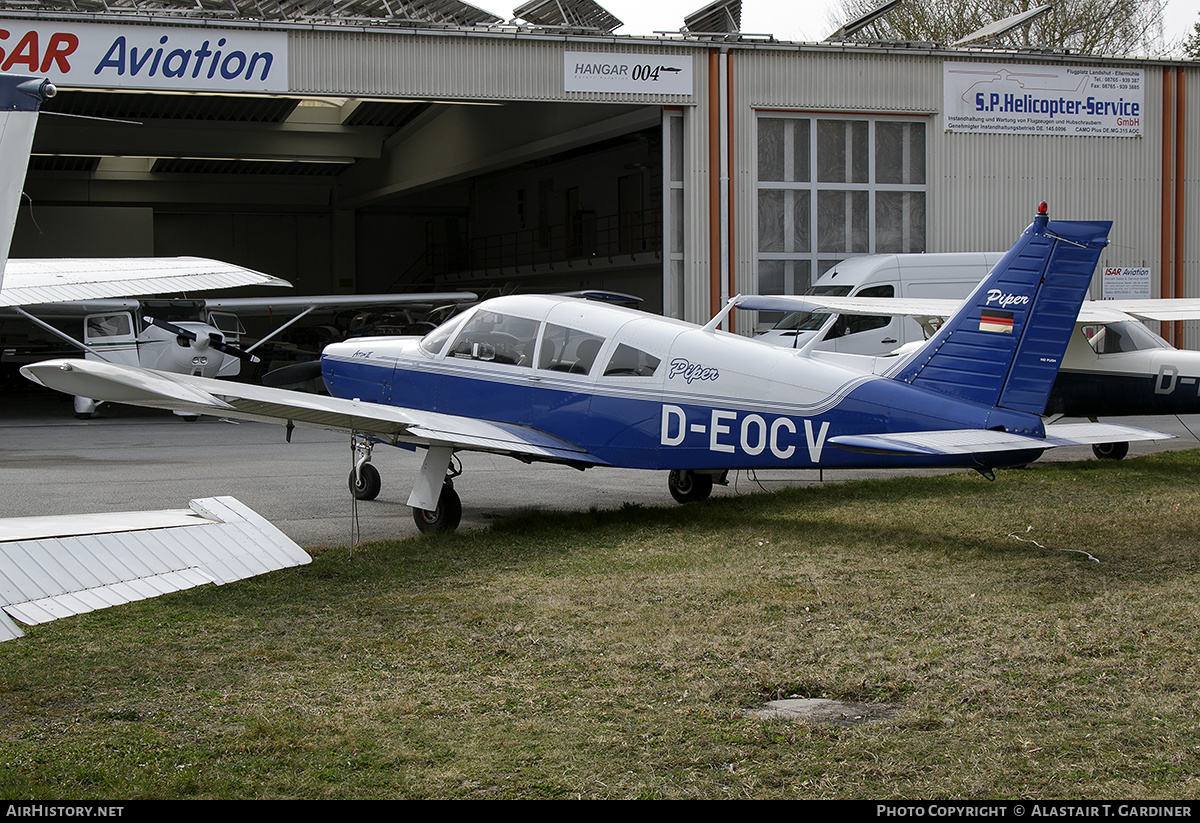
column 687, row 486
column 368, row 483
column 1110, row 451
column 445, row 518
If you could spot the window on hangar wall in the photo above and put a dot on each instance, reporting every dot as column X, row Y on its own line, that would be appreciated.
column 835, row 186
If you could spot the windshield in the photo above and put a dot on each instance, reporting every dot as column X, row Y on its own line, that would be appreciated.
column 830, row 291
column 1126, row 336
column 436, row 339
column 802, row 321
column 809, row 320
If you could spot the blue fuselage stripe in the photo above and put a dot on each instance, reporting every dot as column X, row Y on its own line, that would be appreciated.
column 641, row 426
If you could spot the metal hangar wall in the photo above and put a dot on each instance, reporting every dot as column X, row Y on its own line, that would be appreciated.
column 372, row 154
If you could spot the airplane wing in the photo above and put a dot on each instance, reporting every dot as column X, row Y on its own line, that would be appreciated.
column 1171, row 308
column 28, row 282
column 334, row 302
column 883, row 306
column 52, row 567
column 1092, row 311
column 980, row 441
column 389, row 424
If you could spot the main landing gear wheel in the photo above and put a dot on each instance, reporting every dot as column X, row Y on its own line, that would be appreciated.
column 367, row 485
column 445, row 518
column 688, row 486
column 1110, row 451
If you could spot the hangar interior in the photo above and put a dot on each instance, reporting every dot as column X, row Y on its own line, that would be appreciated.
column 342, row 195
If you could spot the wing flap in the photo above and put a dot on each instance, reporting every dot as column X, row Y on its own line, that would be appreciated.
column 57, row 567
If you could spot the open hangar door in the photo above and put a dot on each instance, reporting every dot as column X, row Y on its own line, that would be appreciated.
column 514, row 197
column 345, row 195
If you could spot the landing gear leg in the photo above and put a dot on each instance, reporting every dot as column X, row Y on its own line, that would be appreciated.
column 365, row 482
column 436, row 506
column 85, row 407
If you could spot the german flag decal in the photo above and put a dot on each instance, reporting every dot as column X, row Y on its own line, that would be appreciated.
column 997, row 321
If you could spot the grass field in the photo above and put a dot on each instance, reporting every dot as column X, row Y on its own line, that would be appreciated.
column 1037, row 636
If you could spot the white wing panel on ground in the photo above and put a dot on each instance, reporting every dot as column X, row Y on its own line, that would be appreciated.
column 29, row 282
column 391, row 424
column 58, row 566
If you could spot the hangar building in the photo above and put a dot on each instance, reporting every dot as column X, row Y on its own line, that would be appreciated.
column 393, row 145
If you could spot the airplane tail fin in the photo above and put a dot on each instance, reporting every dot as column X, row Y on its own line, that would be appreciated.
column 1004, row 346
column 20, row 98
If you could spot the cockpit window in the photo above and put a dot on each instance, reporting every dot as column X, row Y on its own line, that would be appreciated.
column 1126, row 336
column 436, row 339
column 496, row 338
column 630, row 362
column 830, row 291
column 569, row 350
column 109, row 325
column 802, row 321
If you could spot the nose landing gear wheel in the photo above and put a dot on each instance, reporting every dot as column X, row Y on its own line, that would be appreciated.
column 687, row 486
column 367, row 484
column 445, row 518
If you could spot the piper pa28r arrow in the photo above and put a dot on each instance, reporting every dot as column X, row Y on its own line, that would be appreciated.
column 543, row 378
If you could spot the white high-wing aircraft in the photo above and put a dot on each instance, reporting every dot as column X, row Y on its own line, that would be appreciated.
column 188, row 337
column 55, row 566
column 197, row 337
column 1113, row 366
column 546, row 378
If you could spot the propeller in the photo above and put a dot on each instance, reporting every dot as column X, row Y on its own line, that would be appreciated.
column 292, row 375
column 215, row 340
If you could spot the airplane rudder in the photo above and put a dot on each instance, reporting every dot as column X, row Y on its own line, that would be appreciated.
column 1039, row 354
column 1045, row 275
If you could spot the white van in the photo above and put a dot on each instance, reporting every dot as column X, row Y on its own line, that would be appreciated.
column 950, row 276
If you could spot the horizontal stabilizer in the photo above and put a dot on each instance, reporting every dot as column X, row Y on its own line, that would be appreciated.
column 58, row 566
column 985, row 441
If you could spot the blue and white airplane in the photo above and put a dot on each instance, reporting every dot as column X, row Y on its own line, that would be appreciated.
column 556, row 379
